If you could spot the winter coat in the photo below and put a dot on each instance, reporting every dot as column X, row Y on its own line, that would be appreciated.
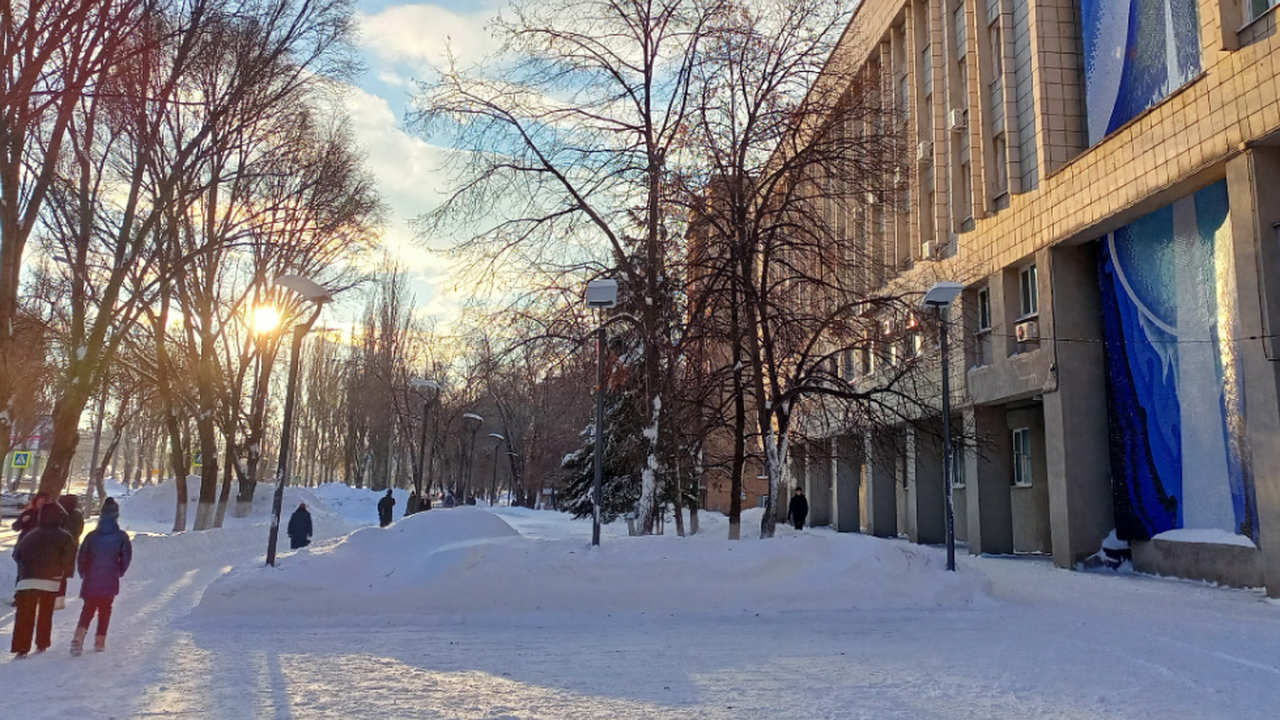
column 798, row 509
column 47, row 554
column 300, row 524
column 73, row 523
column 27, row 521
column 104, row 558
column 385, row 506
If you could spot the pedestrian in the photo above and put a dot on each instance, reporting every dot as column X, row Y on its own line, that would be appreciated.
column 29, row 519
column 449, row 500
column 44, row 556
column 385, row 506
column 425, row 502
column 104, row 559
column 799, row 509
column 411, row 505
column 73, row 523
column 300, row 527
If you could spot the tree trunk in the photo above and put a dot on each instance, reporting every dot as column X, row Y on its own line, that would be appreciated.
column 66, row 436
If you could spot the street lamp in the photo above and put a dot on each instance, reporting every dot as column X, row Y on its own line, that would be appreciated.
column 940, row 297
column 318, row 296
column 474, row 421
column 424, row 384
column 601, row 295
column 493, row 479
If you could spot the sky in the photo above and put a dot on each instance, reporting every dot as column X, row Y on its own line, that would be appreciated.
column 401, row 44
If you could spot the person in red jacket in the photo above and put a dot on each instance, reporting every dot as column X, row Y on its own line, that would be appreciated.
column 44, row 557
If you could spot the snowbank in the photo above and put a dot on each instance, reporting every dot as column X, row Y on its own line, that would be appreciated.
column 151, row 508
column 470, row 560
column 1205, row 537
column 358, row 506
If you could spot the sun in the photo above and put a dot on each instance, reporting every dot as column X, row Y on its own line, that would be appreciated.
column 265, row 319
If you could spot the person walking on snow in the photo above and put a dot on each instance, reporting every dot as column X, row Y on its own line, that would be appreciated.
column 798, row 510
column 300, row 527
column 385, row 506
column 104, row 558
column 73, row 523
column 45, row 556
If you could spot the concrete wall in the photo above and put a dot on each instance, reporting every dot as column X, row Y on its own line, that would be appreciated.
column 1224, row 564
column 878, row 481
column 817, row 483
column 1075, row 417
column 988, row 513
column 1030, row 505
column 848, row 470
column 925, row 493
column 1253, row 186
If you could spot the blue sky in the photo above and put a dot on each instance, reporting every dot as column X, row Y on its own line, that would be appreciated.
column 400, row 44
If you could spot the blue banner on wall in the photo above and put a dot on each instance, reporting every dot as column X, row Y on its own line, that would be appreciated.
column 1136, row 52
column 1175, row 402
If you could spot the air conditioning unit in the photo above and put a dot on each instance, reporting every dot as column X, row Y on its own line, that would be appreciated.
column 1027, row 331
column 932, row 250
column 924, row 152
column 870, row 197
column 956, row 120
column 888, row 327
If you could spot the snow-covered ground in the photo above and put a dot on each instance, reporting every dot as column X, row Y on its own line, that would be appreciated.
column 507, row 613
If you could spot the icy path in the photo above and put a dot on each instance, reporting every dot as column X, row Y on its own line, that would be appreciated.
column 1055, row 645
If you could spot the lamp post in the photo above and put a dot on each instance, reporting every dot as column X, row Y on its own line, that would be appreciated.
column 601, row 295
column 420, row 471
column 474, row 421
column 318, row 296
column 493, row 479
column 940, row 297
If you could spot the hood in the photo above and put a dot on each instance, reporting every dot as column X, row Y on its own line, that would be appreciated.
column 51, row 515
column 69, row 502
column 108, row 524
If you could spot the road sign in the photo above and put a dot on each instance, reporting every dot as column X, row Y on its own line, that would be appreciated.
column 199, row 461
column 22, row 459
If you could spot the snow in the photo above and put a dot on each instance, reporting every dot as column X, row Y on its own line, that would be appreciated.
column 508, row 613
column 1205, row 536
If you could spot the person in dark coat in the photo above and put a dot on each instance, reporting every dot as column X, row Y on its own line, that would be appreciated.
column 411, row 505
column 300, row 527
column 385, row 508
column 798, row 510
column 73, row 523
column 29, row 519
column 45, row 556
column 104, row 559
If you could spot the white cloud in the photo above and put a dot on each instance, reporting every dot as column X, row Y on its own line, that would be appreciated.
column 422, row 36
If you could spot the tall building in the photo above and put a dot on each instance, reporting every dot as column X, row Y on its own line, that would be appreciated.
column 1104, row 177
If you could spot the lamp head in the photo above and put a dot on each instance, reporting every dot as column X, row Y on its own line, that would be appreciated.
column 307, row 288
column 602, row 294
column 942, row 294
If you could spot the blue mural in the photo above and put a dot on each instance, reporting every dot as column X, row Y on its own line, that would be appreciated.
column 1136, row 52
column 1178, row 457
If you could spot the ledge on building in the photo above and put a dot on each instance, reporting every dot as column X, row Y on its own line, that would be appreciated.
column 1222, row 558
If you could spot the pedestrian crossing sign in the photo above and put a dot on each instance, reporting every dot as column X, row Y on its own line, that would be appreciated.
column 22, row 459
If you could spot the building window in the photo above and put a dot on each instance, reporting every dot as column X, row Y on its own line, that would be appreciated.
column 926, row 71
column 1001, row 160
column 984, row 310
column 1257, row 8
column 957, row 463
column 904, row 96
column 961, row 35
column 1022, row 457
column 1030, row 292
column 997, row 51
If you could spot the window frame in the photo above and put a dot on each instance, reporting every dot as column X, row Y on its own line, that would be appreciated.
column 1028, row 292
column 1023, row 469
column 983, row 301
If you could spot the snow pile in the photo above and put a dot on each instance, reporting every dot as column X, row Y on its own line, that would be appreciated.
column 151, row 508
column 1205, row 536
column 358, row 506
column 469, row 560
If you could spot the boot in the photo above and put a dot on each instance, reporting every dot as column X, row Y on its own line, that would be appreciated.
column 100, row 643
column 77, row 642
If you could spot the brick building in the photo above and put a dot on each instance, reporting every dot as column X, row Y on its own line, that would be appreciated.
column 1104, row 177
